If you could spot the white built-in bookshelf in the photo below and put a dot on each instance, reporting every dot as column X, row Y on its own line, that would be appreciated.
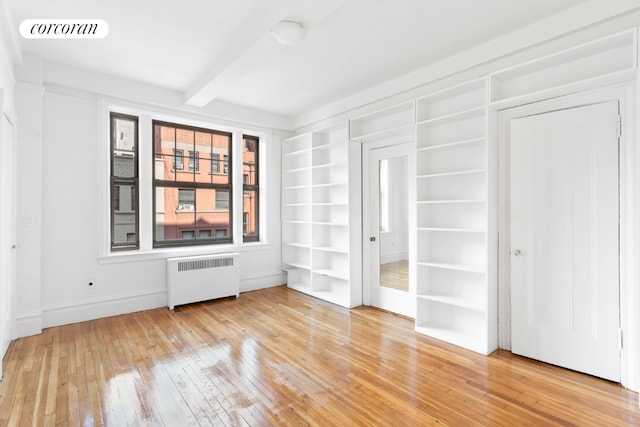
column 603, row 62
column 383, row 124
column 455, row 130
column 320, row 245
column 452, row 217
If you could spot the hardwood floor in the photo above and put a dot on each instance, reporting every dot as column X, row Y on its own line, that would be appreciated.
column 395, row 275
column 277, row 356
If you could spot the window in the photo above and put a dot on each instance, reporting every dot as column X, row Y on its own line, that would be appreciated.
column 116, row 198
column 193, row 161
column 186, row 200
column 222, row 200
column 250, row 188
column 188, row 204
column 178, row 160
column 188, row 234
column 124, row 181
column 215, row 163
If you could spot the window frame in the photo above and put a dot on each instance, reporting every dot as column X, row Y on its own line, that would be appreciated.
column 155, row 183
column 120, row 181
column 252, row 187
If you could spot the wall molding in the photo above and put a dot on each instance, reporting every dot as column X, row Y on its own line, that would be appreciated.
column 249, row 284
column 90, row 309
column 29, row 324
column 96, row 308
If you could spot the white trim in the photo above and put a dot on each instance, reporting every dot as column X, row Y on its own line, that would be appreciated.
column 249, row 284
column 629, row 218
column 97, row 308
column 29, row 324
column 164, row 253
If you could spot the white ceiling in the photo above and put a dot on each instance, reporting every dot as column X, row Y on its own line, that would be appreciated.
column 221, row 49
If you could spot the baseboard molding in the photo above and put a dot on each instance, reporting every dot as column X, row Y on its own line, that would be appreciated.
column 82, row 311
column 255, row 283
column 29, row 324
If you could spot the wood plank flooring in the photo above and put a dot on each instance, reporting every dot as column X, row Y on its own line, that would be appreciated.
column 279, row 357
column 395, row 275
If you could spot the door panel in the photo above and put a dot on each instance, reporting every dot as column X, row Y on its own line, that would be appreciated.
column 564, row 239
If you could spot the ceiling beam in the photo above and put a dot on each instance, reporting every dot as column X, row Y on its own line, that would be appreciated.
column 253, row 45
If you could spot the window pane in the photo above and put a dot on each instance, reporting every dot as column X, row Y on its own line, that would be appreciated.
column 202, row 156
column 164, row 140
column 124, row 147
column 250, row 213
column 174, row 213
column 164, row 167
column 220, row 147
column 124, row 174
column 249, row 161
column 222, row 200
column 124, row 164
column 116, row 198
column 208, row 216
column 124, row 217
column 196, row 159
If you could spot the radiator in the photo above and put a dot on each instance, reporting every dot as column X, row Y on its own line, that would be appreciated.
column 201, row 278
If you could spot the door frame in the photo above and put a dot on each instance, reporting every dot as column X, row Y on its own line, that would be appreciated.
column 8, row 222
column 629, row 168
column 367, row 147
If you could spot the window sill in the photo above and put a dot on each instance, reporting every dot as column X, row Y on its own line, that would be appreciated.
column 118, row 257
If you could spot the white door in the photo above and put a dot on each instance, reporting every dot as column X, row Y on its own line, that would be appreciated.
column 388, row 230
column 7, row 236
column 564, row 239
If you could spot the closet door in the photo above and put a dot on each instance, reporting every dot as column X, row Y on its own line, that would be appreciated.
column 564, row 238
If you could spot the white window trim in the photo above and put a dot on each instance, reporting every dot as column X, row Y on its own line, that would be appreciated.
column 146, row 114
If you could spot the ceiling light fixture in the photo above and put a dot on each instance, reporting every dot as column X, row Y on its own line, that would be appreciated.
column 288, row 32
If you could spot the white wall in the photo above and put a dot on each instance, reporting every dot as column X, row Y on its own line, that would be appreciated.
column 60, row 184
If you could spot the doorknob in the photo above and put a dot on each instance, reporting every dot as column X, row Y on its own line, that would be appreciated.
column 517, row 253
column 372, row 238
